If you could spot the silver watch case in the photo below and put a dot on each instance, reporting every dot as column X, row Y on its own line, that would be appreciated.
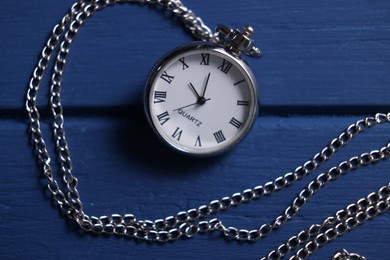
column 174, row 54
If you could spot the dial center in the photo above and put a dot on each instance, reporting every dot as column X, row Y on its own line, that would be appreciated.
column 201, row 101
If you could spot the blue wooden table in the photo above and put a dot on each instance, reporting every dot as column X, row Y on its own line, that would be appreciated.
column 326, row 64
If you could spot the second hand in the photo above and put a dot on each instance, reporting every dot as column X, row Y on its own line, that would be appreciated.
column 196, row 103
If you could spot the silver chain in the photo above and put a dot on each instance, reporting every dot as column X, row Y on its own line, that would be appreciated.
column 187, row 224
column 343, row 254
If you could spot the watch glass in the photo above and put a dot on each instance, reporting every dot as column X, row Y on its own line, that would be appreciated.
column 201, row 100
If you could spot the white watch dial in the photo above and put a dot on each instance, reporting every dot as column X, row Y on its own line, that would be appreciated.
column 202, row 101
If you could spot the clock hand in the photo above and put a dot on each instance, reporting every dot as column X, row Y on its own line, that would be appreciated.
column 200, row 99
column 193, row 88
column 205, row 85
column 196, row 103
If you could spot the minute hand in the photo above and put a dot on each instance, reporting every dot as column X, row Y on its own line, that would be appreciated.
column 193, row 104
column 205, row 85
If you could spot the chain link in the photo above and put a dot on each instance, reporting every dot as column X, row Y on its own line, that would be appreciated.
column 187, row 224
column 343, row 254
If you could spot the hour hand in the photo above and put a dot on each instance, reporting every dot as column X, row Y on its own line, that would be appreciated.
column 193, row 89
column 200, row 100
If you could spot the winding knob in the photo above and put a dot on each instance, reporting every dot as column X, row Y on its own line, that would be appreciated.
column 238, row 42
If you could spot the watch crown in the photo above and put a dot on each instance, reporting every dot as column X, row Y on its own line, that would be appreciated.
column 238, row 42
column 248, row 30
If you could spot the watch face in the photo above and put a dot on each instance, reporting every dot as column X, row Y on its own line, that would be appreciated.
column 201, row 100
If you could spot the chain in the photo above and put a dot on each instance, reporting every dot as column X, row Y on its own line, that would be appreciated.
column 343, row 254
column 334, row 226
column 186, row 224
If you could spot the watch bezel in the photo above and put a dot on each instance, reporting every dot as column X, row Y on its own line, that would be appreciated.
column 207, row 47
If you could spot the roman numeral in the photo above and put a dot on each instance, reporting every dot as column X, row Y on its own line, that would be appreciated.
column 159, row 96
column 234, row 122
column 185, row 66
column 239, row 82
column 177, row 134
column 219, row 137
column 163, row 117
column 242, row 103
column 225, row 66
column 166, row 77
column 205, row 59
column 197, row 142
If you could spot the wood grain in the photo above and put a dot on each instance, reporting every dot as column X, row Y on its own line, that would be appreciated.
column 325, row 65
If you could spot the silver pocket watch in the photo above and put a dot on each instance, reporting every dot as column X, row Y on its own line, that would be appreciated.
column 201, row 98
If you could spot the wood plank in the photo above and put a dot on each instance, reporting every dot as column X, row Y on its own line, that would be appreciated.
column 321, row 55
column 122, row 168
column 322, row 61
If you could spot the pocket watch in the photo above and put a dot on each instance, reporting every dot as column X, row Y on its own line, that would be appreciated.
column 201, row 98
